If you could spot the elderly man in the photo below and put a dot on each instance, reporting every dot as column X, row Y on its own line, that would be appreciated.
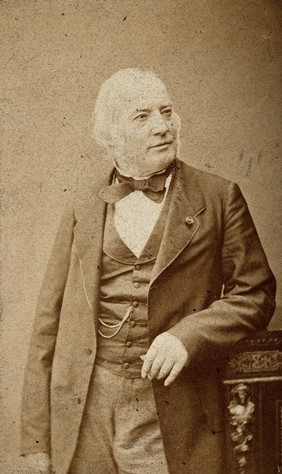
column 156, row 271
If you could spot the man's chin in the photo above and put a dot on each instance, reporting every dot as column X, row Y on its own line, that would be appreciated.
column 162, row 162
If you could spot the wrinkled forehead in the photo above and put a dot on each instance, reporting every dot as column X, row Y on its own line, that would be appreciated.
column 143, row 94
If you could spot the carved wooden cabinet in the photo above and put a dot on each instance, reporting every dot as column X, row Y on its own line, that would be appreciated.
column 253, row 405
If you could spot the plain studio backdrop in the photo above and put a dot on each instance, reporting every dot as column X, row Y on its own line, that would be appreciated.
column 221, row 61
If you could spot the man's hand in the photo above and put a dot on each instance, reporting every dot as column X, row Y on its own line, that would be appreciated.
column 39, row 463
column 166, row 355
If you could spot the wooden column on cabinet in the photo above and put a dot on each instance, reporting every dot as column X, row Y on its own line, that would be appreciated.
column 253, row 405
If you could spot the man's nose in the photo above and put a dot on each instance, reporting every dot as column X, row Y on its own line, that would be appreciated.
column 159, row 125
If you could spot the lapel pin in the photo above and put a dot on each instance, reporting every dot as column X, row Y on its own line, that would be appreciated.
column 189, row 220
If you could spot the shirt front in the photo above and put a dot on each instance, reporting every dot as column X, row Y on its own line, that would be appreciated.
column 135, row 216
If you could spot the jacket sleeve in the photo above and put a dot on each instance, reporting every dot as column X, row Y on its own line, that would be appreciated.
column 248, row 296
column 35, row 413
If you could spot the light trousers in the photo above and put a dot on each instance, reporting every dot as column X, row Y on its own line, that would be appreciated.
column 120, row 432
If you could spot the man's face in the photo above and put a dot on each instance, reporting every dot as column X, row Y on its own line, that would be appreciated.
column 145, row 138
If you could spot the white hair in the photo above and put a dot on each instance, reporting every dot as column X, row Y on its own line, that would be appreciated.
column 114, row 90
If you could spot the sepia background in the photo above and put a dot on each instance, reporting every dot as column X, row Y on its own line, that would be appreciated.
column 222, row 63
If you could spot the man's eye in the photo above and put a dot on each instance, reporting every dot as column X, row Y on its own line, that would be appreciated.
column 141, row 117
column 167, row 112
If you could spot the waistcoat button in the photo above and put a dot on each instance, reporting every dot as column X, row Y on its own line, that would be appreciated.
column 128, row 344
column 126, row 365
column 132, row 323
column 136, row 285
column 137, row 266
column 135, row 304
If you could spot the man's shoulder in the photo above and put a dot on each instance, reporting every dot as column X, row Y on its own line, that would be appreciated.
column 208, row 182
column 92, row 177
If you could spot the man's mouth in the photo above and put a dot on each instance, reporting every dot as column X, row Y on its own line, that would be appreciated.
column 162, row 145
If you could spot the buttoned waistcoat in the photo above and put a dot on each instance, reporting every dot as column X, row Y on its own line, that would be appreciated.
column 124, row 286
column 210, row 286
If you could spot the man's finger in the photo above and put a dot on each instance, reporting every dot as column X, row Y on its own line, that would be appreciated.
column 148, row 361
column 165, row 369
column 176, row 369
column 156, row 365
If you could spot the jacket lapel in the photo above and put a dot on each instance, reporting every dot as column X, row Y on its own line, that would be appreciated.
column 90, row 213
column 186, row 203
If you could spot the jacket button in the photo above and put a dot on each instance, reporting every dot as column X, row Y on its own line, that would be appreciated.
column 137, row 266
column 128, row 344
column 136, row 285
column 88, row 350
column 78, row 399
column 135, row 304
column 126, row 365
column 189, row 220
